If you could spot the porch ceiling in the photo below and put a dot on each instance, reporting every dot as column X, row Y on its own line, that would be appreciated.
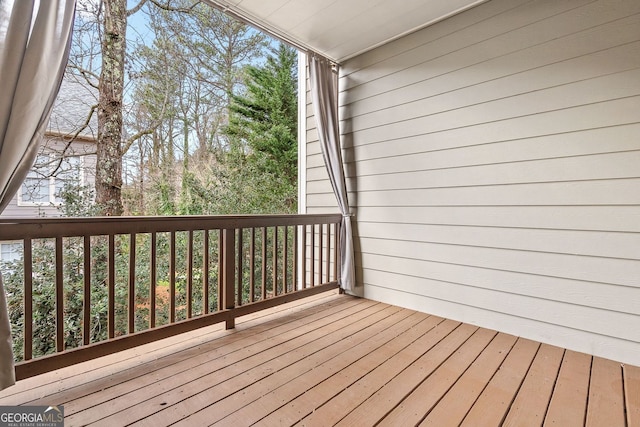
column 340, row 29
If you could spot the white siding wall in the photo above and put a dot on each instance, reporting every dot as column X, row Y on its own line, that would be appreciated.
column 496, row 158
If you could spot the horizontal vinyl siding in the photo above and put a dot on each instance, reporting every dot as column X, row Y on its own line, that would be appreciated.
column 494, row 163
column 28, row 211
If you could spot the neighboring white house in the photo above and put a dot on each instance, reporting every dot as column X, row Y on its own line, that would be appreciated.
column 67, row 155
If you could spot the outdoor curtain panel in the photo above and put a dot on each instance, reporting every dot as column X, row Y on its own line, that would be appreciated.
column 35, row 36
column 324, row 94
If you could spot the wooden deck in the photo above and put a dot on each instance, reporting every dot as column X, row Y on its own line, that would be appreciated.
column 337, row 360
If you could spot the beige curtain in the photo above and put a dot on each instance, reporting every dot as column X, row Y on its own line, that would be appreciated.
column 324, row 93
column 35, row 36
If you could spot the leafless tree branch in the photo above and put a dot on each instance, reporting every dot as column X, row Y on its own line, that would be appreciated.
column 129, row 142
column 164, row 6
column 87, row 74
column 73, row 137
column 136, row 7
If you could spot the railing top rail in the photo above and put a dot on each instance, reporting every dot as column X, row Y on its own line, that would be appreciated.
column 35, row 228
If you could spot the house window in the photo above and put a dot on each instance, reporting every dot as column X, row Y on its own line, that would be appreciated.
column 47, row 178
column 10, row 251
column 68, row 174
column 35, row 188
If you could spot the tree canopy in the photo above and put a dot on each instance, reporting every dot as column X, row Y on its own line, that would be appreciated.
column 194, row 110
column 204, row 122
column 263, row 129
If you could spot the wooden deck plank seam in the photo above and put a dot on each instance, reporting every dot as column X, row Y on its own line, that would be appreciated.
column 490, row 379
column 330, row 410
column 362, row 387
column 413, row 408
column 370, row 367
column 185, row 352
column 584, row 418
column 631, row 385
column 380, row 307
column 234, row 393
column 83, row 383
column 407, row 314
column 177, row 341
column 379, row 398
column 334, row 359
column 555, row 383
column 482, row 355
column 424, row 379
column 624, row 397
column 457, row 379
column 274, row 409
column 513, row 398
column 372, row 392
column 272, row 344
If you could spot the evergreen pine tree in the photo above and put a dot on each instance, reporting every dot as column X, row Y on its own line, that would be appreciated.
column 263, row 127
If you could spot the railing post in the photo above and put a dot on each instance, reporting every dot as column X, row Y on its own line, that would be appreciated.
column 228, row 272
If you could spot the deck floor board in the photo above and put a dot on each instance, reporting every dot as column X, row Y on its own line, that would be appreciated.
column 606, row 394
column 322, row 411
column 532, row 400
column 337, row 360
column 569, row 401
column 631, row 379
column 494, row 402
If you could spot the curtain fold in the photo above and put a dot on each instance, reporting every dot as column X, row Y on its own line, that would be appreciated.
column 324, row 93
column 35, row 37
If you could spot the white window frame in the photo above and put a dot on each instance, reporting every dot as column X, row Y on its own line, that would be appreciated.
column 13, row 244
column 53, row 199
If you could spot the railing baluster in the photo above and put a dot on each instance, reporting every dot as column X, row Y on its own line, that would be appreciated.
column 205, row 272
column 320, row 251
column 111, row 283
column 312, row 275
column 190, row 275
column 338, row 266
column 252, row 265
column 294, row 277
column 328, row 254
column 303, row 258
column 59, row 297
column 264, row 263
column 86, row 295
column 274, row 266
column 132, row 283
column 285, row 259
column 240, row 254
column 229, row 271
column 172, row 277
column 220, row 269
column 28, row 299
column 336, row 253
column 154, row 282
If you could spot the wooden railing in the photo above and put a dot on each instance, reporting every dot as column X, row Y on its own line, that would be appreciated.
column 94, row 286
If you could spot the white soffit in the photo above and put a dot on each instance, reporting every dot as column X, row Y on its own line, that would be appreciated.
column 342, row 29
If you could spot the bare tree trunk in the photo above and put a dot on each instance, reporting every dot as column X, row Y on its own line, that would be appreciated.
column 154, row 162
column 109, row 146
